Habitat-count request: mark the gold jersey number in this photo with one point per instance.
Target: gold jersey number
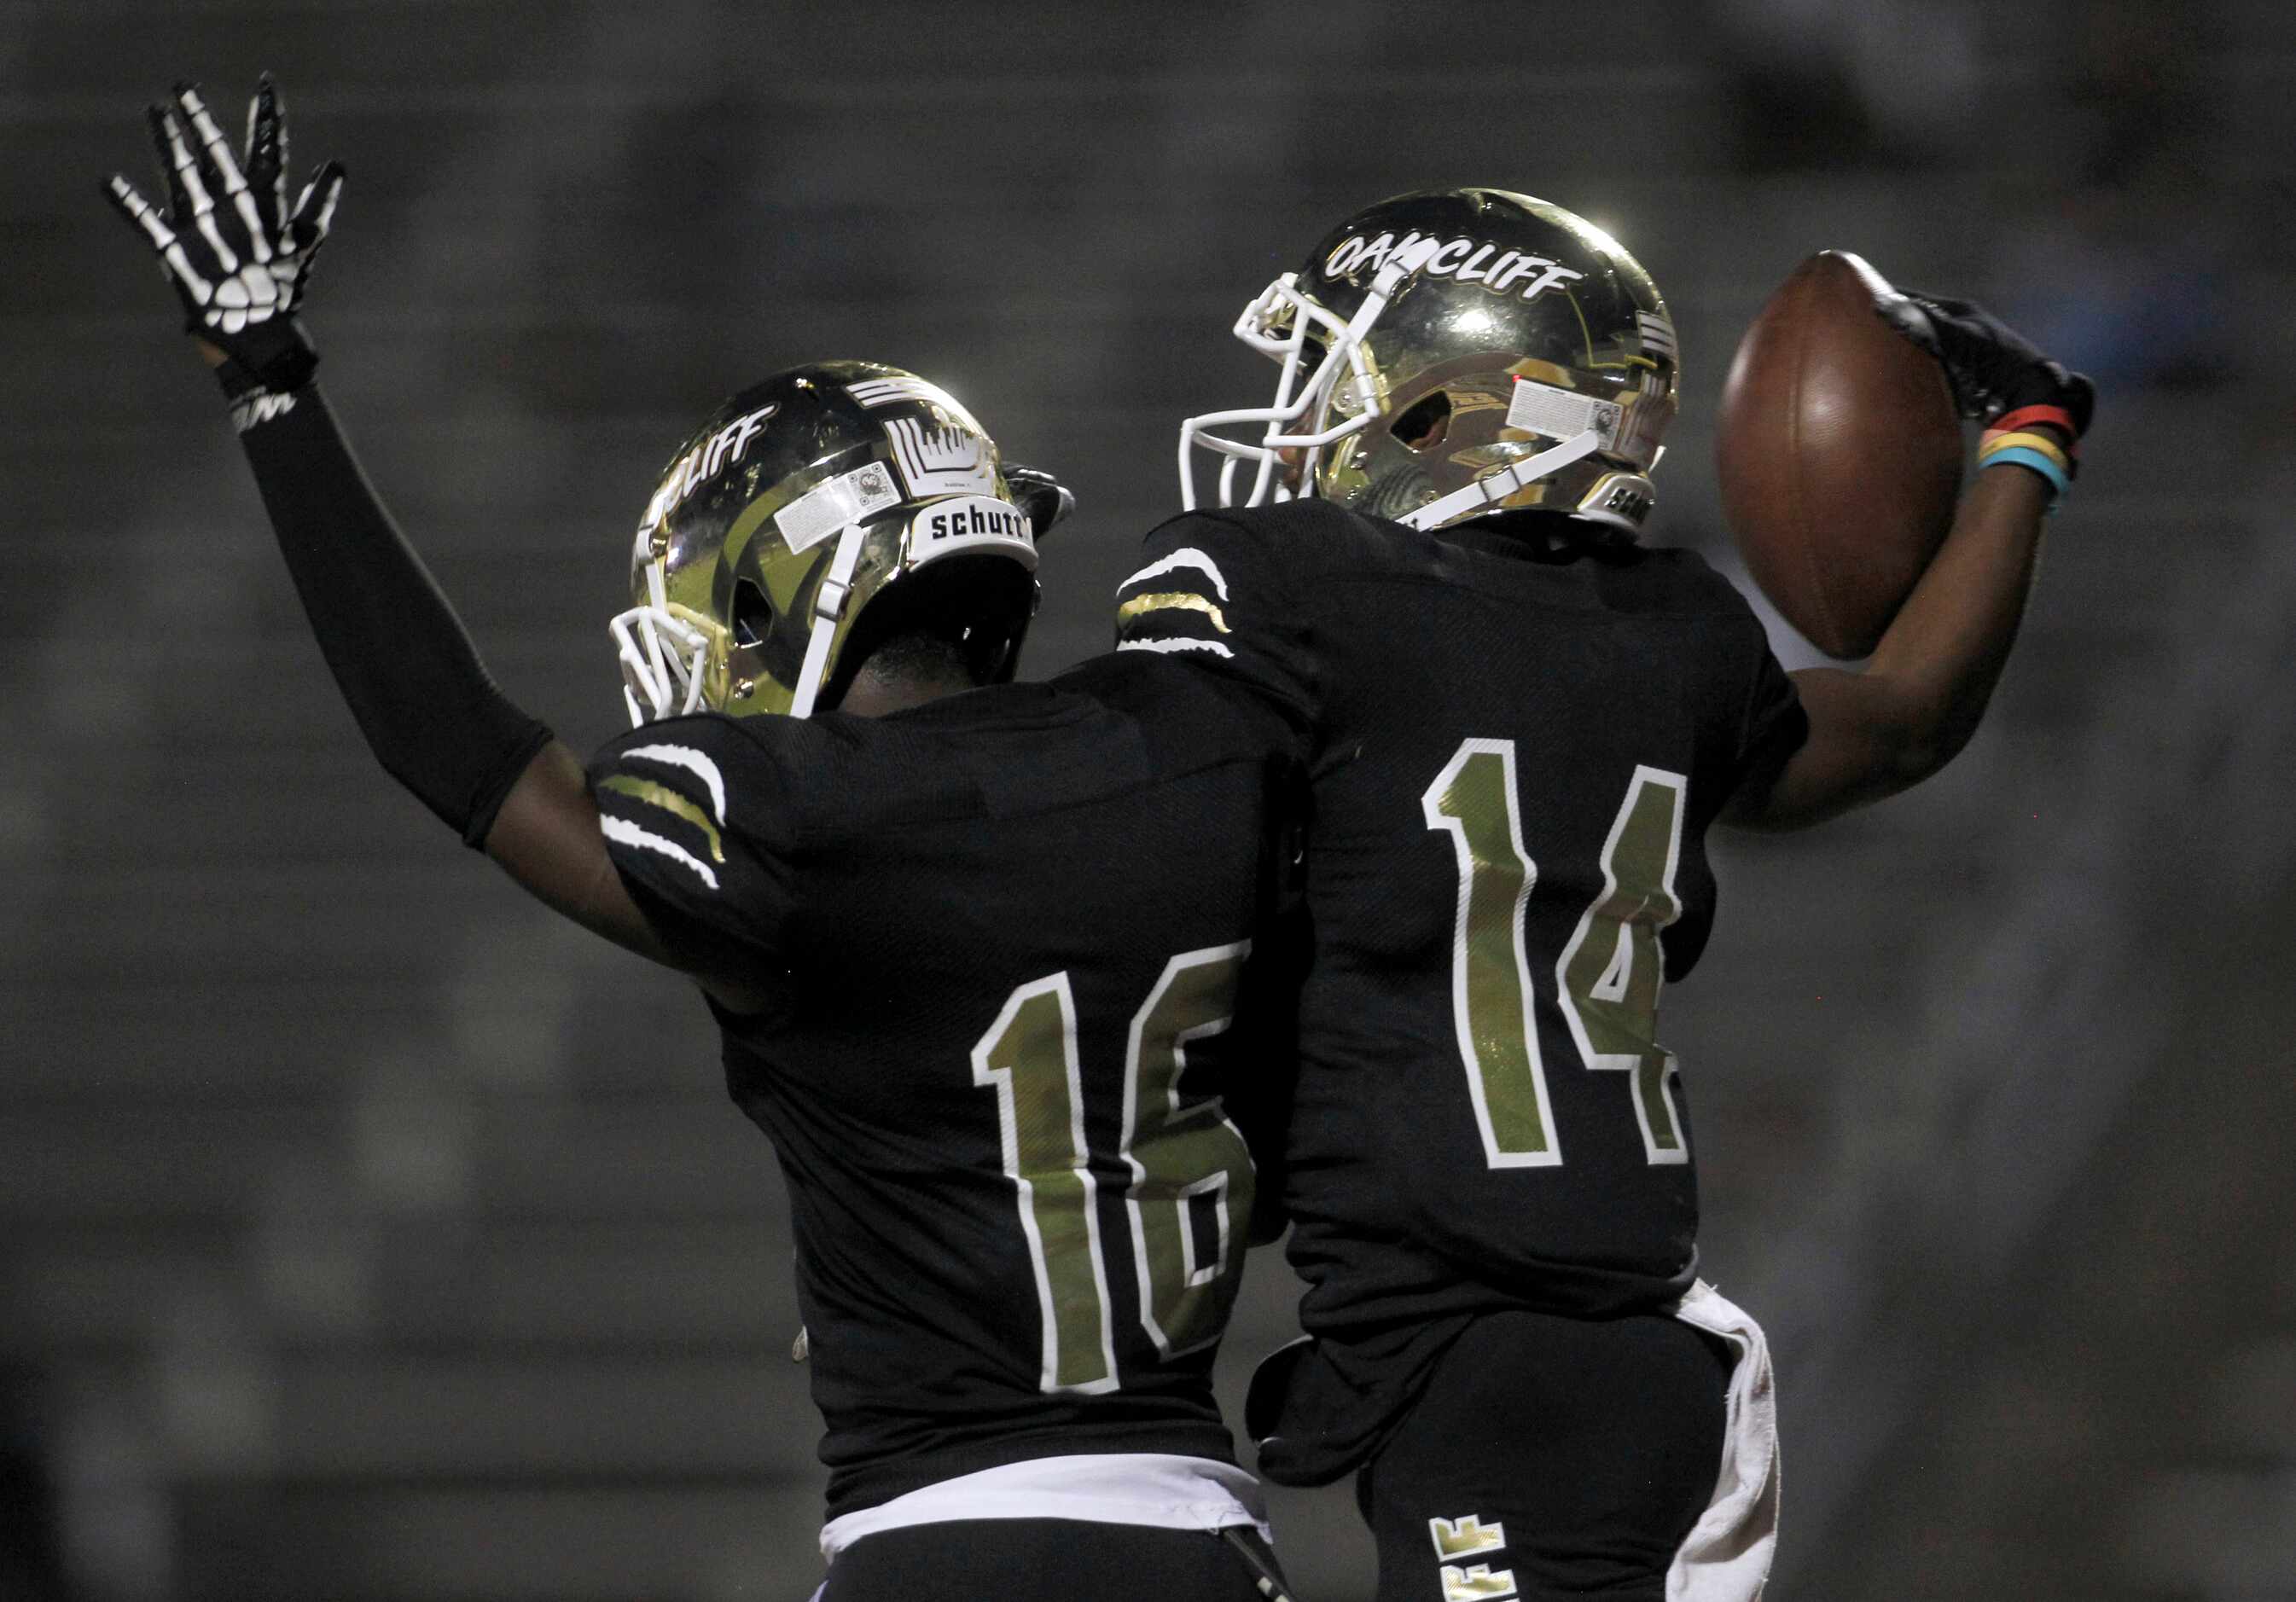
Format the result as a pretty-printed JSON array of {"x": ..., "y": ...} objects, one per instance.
[
  {"x": 1607, "y": 980},
  {"x": 1189, "y": 1196}
]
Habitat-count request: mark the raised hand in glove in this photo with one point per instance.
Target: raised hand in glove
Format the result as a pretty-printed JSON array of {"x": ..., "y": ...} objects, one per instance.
[
  {"x": 1993, "y": 369},
  {"x": 238, "y": 256}
]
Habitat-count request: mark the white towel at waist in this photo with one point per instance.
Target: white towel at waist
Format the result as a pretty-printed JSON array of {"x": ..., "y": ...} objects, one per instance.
[{"x": 1726, "y": 1555}]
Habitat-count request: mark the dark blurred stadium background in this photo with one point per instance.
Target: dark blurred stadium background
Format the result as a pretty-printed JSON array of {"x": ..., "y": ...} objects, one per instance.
[{"x": 366, "y": 1233}]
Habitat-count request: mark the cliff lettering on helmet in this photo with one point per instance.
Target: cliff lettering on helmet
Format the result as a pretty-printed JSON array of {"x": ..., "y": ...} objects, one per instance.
[
  {"x": 702, "y": 462},
  {"x": 1463, "y": 260}
]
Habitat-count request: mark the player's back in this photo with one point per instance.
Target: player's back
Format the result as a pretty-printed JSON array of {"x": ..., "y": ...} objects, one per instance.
[
  {"x": 1013, "y": 924},
  {"x": 1519, "y": 743}
]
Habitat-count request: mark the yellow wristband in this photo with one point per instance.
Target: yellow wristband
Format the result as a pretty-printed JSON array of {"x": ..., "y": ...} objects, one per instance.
[{"x": 2042, "y": 443}]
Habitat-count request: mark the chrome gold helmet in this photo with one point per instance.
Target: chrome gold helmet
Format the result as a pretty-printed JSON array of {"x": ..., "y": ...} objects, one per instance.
[
  {"x": 798, "y": 526},
  {"x": 1453, "y": 353}
]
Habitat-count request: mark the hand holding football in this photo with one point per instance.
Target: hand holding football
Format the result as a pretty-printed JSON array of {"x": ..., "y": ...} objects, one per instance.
[{"x": 1839, "y": 456}]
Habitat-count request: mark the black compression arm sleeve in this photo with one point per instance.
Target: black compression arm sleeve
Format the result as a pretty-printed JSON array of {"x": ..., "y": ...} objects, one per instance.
[{"x": 413, "y": 681}]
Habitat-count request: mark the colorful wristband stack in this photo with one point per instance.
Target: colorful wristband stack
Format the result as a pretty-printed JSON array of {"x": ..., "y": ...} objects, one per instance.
[{"x": 2010, "y": 441}]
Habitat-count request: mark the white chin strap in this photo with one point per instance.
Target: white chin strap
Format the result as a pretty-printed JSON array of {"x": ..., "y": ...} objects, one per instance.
[
  {"x": 1493, "y": 487},
  {"x": 662, "y": 657},
  {"x": 828, "y": 608}
]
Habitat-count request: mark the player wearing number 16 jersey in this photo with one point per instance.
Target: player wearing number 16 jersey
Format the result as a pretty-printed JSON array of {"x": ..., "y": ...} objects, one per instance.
[
  {"x": 991, "y": 948},
  {"x": 1524, "y": 722},
  {"x": 977, "y": 948}
]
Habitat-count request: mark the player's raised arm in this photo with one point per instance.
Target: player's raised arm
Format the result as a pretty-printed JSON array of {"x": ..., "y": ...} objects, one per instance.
[
  {"x": 1915, "y": 703},
  {"x": 239, "y": 257}
]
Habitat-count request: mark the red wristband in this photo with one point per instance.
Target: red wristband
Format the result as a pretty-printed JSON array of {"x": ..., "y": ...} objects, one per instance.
[{"x": 2057, "y": 417}]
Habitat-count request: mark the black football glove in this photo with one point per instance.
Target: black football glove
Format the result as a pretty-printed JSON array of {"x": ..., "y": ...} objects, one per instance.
[
  {"x": 1990, "y": 366},
  {"x": 238, "y": 257},
  {"x": 1043, "y": 497}
]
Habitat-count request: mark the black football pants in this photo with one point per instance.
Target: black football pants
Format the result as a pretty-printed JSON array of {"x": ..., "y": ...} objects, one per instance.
[
  {"x": 1040, "y": 1560},
  {"x": 1572, "y": 1454}
]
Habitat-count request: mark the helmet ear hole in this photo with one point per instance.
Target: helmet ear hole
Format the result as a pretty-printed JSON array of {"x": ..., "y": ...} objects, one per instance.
[
  {"x": 1425, "y": 425},
  {"x": 753, "y": 614}
]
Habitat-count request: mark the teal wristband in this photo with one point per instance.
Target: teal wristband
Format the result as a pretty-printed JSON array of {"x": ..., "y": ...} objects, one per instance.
[{"x": 2024, "y": 456}]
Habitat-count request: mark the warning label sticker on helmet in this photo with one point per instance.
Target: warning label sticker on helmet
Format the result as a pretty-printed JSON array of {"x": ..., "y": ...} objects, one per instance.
[
  {"x": 971, "y": 523},
  {"x": 1539, "y": 408},
  {"x": 829, "y": 506}
]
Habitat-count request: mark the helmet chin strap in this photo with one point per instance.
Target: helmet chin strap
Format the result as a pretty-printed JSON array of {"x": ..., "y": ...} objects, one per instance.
[
  {"x": 828, "y": 609},
  {"x": 1496, "y": 487}
]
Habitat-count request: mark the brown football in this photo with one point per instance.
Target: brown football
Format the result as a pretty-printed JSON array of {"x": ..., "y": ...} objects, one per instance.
[{"x": 1839, "y": 456}]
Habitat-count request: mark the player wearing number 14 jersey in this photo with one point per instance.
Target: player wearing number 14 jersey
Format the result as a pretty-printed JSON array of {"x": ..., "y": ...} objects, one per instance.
[{"x": 1524, "y": 722}]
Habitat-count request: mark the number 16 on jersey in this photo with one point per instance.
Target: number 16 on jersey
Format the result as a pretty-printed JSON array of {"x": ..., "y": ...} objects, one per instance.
[
  {"x": 1187, "y": 1162},
  {"x": 1606, "y": 981}
]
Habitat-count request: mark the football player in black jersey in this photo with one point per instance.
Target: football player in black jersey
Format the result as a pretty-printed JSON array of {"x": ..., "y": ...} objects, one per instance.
[
  {"x": 1524, "y": 722},
  {"x": 976, "y": 947}
]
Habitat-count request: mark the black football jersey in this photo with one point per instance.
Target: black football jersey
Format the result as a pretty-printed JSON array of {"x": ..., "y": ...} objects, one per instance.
[
  {"x": 1005, "y": 933},
  {"x": 1518, "y": 744}
]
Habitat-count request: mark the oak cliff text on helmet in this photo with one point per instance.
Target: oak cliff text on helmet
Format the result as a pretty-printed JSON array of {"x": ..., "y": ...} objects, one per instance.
[{"x": 1466, "y": 260}]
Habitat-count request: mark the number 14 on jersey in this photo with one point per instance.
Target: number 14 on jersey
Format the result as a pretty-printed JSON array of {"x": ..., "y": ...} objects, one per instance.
[{"x": 1607, "y": 980}]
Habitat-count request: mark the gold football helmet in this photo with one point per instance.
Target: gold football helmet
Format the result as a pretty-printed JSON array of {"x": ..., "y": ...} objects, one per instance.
[
  {"x": 1449, "y": 354},
  {"x": 813, "y": 515}
]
